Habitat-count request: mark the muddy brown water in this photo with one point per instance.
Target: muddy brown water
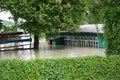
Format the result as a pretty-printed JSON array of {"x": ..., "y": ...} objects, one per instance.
[{"x": 46, "y": 51}]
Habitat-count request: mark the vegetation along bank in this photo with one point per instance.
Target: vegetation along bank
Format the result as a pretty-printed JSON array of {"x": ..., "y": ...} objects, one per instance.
[{"x": 82, "y": 68}]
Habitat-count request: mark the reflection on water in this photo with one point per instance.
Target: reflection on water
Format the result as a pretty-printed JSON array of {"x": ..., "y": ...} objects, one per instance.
[{"x": 46, "y": 51}]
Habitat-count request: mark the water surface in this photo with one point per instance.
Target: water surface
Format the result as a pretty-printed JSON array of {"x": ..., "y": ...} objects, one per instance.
[{"x": 46, "y": 51}]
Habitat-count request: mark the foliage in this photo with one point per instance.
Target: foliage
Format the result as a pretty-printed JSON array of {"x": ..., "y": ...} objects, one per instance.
[
  {"x": 49, "y": 16},
  {"x": 52, "y": 16},
  {"x": 78, "y": 11},
  {"x": 1, "y": 24},
  {"x": 112, "y": 27},
  {"x": 12, "y": 28},
  {"x": 107, "y": 12},
  {"x": 95, "y": 11},
  {"x": 9, "y": 5},
  {"x": 87, "y": 68}
]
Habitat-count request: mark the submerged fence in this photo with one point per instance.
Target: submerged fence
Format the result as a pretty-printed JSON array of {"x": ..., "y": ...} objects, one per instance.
[{"x": 81, "y": 41}]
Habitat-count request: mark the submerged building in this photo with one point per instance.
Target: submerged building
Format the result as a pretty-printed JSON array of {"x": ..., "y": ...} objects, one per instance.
[{"x": 90, "y": 35}]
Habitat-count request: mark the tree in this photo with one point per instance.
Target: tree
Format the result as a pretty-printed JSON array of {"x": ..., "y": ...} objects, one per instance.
[
  {"x": 112, "y": 27},
  {"x": 1, "y": 24},
  {"x": 12, "y": 28},
  {"x": 95, "y": 11},
  {"x": 108, "y": 12},
  {"x": 78, "y": 11},
  {"x": 50, "y": 16}
]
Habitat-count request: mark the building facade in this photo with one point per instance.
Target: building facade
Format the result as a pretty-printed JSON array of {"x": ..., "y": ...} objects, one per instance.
[{"x": 91, "y": 35}]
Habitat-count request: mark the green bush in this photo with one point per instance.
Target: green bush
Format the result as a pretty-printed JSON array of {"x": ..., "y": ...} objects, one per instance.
[
  {"x": 112, "y": 27},
  {"x": 112, "y": 30},
  {"x": 86, "y": 68}
]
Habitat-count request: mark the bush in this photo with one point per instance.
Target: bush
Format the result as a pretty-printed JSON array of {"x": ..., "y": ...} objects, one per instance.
[
  {"x": 112, "y": 28},
  {"x": 86, "y": 68}
]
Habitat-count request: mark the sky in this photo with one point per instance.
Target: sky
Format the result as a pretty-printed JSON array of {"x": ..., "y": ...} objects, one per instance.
[{"x": 5, "y": 16}]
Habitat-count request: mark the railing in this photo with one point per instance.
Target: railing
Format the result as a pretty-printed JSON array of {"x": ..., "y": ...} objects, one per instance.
[
  {"x": 81, "y": 41},
  {"x": 14, "y": 40}
]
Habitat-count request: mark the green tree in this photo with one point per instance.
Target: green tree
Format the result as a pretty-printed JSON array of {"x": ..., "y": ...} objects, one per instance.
[
  {"x": 12, "y": 28},
  {"x": 78, "y": 10},
  {"x": 107, "y": 12},
  {"x": 95, "y": 11},
  {"x": 50, "y": 16},
  {"x": 1, "y": 24},
  {"x": 112, "y": 27}
]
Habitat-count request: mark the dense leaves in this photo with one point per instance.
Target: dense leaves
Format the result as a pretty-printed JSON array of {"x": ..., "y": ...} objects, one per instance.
[
  {"x": 87, "y": 68},
  {"x": 107, "y": 12},
  {"x": 112, "y": 28},
  {"x": 45, "y": 16},
  {"x": 12, "y": 28},
  {"x": 1, "y": 24}
]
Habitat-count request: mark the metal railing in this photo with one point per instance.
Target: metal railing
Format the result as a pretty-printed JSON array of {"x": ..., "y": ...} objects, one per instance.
[{"x": 81, "y": 41}]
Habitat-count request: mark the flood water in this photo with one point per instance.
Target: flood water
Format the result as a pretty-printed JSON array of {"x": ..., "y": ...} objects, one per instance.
[{"x": 47, "y": 51}]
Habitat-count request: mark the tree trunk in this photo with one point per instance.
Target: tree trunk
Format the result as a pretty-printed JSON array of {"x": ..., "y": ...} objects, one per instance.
[{"x": 36, "y": 42}]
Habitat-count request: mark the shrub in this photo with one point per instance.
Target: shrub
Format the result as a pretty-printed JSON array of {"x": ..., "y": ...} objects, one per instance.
[
  {"x": 112, "y": 30},
  {"x": 86, "y": 68}
]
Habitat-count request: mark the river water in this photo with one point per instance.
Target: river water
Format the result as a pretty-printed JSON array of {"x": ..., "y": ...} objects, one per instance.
[{"x": 47, "y": 51}]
